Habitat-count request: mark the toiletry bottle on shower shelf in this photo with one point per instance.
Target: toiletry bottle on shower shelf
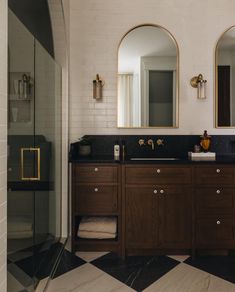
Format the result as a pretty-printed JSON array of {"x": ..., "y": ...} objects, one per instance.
[{"x": 116, "y": 150}]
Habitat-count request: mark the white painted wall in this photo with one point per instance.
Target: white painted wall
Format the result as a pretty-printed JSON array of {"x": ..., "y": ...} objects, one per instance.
[
  {"x": 3, "y": 143},
  {"x": 96, "y": 28}
]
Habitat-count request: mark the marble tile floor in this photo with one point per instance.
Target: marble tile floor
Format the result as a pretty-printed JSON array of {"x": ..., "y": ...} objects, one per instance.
[{"x": 105, "y": 272}]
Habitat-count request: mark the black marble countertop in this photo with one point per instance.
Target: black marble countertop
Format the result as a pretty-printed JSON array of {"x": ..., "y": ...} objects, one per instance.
[{"x": 221, "y": 159}]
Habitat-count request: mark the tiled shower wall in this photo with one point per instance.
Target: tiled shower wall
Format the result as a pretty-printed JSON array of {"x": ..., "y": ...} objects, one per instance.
[
  {"x": 3, "y": 141},
  {"x": 97, "y": 27}
]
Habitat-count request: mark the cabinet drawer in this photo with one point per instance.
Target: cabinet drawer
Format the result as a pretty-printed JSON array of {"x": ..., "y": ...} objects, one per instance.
[
  {"x": 157, "y": 175},
  {"x": 95, "y": 173},
  {"x": 215, "y": 201},
  {"x": 215, "y": 232},
  {"x": 96, "y": 199},
  {"x": 214, "y": 175}
]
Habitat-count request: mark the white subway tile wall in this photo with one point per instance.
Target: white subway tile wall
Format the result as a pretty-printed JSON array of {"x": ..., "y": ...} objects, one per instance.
[
  {"x": 97, "y": 27},
  {"x": 3, "y": 143}
]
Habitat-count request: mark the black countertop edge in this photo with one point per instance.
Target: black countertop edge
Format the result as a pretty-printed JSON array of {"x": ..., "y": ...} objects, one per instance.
[{"x": 226, "y": 159}]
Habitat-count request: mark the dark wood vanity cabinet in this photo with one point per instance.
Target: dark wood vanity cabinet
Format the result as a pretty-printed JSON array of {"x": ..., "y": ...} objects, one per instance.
[
  {"x": 96, "y": 191},
  {"x": 214, "y": 197},
  {"x": 160, "y": 208},
  {"x": 157, "y": 207}
]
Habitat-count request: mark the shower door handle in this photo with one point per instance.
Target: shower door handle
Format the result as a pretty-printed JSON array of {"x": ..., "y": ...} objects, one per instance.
[{"x": 37, "y": 151}]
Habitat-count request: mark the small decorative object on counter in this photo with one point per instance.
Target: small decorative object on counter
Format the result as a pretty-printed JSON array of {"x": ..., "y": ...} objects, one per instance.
[
  {"x": 116, "y": 150},
  {"x": 84, "y": 146},
  {"x": 205, "y": 141},
  {"x": 197, "y": 148}
]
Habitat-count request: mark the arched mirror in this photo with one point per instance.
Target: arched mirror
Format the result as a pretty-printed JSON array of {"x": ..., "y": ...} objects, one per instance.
[
  {"x": 225, "y": 79},
  {"x": 148, "y": 78}
]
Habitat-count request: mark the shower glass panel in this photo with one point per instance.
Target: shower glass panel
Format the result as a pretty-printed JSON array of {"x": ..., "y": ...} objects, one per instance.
[{"x": 34, "y": 160}]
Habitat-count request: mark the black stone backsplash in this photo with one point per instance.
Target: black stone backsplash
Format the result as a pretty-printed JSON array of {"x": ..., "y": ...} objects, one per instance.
[{"x": 174, "y": 145}]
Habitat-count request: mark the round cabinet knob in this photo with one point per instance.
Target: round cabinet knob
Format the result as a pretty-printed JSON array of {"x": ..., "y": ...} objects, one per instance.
[
  {"x": 155, "y": 191},
  {"x": 218, "y": 192},
  {"x": 218, "y": 222},
  {"x": 9, "y": 169},
  {"x": 96, "y": 189},
  {"x": 161, "y": 191},
  {"x": 96, "y": 168},
  {"x": 218, "y": 170},
  {"x": 158, "y": 170}
]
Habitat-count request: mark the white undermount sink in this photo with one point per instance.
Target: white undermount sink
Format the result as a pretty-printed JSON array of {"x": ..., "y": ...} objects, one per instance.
[{"x": 154, "y": 158}]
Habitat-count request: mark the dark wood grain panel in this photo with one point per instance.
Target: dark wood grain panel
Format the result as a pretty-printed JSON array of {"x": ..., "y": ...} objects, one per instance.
[
  {"x": 96, "y": 199},
  {"x": 215, "y": 201},
  {"x": 159, "y": 174},
  {"x": 141, "y": 217},
  {"x": 95, "y": 173},
  {"x": 214, "y": 175},
  {"x": 175, "y": 217},
  {"x": 216, "y": 232}
]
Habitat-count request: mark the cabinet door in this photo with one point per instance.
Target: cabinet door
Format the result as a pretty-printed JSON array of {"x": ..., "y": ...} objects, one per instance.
[
  {"x": 217, "y": 232},
  {"x": 174, "y": 205},
  {"x": 141, "y": 217},
  {"x": 96, "y": 199}
]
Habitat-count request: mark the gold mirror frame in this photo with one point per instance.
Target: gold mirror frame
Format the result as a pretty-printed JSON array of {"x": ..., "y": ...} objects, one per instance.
[
  {"x": 216, "y": 84},
  {"x": 177, "y": 77}
]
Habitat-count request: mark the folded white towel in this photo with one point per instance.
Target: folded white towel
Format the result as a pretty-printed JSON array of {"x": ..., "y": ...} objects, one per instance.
[
  {"x": 19, "y": 235},
  {"x": 18, "y": 224},
  {"x": 96, "y": 235},
  {"x": 99, "y": 224}
]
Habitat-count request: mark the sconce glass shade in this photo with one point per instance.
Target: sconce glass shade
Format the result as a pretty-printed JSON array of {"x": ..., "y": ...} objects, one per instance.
[
  {"x": 201, "y": 89},
  {"x": 97, "y": 88},
  {"x": 199, "y": 83}
]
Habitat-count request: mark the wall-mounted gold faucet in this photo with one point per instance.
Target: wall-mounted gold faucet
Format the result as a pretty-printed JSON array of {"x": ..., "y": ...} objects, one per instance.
[{"x": 151, "y": 143}]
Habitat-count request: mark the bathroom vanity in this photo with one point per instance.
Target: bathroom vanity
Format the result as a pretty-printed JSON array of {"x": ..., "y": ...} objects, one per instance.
[{"x": 163, "y": 207}]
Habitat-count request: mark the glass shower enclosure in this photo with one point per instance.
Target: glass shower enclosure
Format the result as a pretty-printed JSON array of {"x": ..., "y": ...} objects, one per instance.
[{"x": 34, "y": 159}]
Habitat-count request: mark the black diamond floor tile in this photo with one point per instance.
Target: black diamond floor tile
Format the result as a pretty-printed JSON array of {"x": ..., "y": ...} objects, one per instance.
[
  {"x": 138, "y": 272},
  {"x": 67, "y": 263},
  {"x": 220, "y": 266}
]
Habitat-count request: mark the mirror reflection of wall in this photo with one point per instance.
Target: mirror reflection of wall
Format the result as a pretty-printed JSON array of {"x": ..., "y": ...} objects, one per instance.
[
  {"x": 225, "y": 79},
  {"x": 148, "y": 78}
]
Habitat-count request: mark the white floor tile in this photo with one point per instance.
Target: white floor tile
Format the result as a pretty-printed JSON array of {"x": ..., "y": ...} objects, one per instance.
[
  {"x": 90, "y": 256},
  {"x": 87, "y": 278},
  {"x": 184, "y": 278},
  {"x": 41, "y": 285},
  {"x": 179, "y": 258},
  {"x": 12, "y": 284}
]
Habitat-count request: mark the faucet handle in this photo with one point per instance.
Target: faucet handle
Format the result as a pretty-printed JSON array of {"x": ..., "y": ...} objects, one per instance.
[
  {"x": 141, "y": 142},
  {"x": 160, "y": 142}
]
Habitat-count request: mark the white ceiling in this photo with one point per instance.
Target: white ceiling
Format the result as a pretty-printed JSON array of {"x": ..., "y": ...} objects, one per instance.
[{"x": 144, "y": 41}]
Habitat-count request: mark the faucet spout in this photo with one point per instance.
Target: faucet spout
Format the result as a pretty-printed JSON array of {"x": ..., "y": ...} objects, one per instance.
[{"x": 151, "y": 143}]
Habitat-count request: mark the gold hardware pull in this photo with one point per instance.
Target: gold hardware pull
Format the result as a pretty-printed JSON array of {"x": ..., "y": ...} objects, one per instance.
[
  {"x": 161, "y": 191},
  {"x": 218, "y": 222},
  {"x": 158, "y": 170},
  {"x": 96, "y": 169},
  {"x": 155, "y": 191},
  {"x": 37, "y": 150},
  {"x": 218, "y": 192},
  {"x": 96, "y": 189},
  {"x": 218, "y": 170}
]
